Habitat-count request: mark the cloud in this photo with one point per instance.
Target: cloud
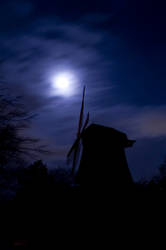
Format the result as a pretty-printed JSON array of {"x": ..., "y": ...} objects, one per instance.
[
  {"x": 151, "y": 121},
  {"x": 52, "y": 45},
  {"x": 138, "y": 122}
]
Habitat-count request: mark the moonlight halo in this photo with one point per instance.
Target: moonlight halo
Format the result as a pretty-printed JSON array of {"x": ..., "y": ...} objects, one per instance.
[{"x": 63, "y": 83}]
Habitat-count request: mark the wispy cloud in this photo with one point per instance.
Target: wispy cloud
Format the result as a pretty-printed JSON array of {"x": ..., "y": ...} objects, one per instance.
[
  {"x": 138, "y": 122},
  {"x": 52, "y": 45}
]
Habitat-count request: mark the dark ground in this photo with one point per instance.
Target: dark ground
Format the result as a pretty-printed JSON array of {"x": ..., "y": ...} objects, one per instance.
[{"x": 48, "y": 212}]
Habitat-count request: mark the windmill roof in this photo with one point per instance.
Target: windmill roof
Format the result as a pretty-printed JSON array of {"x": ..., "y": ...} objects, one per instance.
[{"x": 101, "y": 133}]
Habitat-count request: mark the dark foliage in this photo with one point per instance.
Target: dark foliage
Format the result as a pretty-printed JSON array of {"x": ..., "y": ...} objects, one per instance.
[{"x": 47, "y": 209}]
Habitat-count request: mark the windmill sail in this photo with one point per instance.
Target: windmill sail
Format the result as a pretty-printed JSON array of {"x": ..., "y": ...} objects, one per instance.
[
  {"x": 86, "y": 122},
  {"x": 81, "y": 114},
  {"x": 75, "y": 149}
]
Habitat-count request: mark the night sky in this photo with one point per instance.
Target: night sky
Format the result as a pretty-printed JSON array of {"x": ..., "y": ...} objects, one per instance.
[{"x": 116, "y": 48}]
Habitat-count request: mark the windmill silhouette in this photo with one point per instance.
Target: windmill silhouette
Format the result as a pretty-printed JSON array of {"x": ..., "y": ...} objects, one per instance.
[
  {"x": 75, "y": 149},
  {"x": 103, "y": 162}
]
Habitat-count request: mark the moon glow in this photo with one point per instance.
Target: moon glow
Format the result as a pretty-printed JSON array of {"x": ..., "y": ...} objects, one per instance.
[{"x": 63, "y": 83}]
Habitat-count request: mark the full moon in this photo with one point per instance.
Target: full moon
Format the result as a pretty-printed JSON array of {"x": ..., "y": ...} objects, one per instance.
[{"x": 63, "y": 83}]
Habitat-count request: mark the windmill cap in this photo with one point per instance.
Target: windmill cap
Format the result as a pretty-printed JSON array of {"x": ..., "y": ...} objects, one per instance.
[{"x": 95, "y": 133}]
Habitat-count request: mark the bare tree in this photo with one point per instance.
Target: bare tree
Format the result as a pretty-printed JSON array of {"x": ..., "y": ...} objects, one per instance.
[{"x": 14, "y": 119}]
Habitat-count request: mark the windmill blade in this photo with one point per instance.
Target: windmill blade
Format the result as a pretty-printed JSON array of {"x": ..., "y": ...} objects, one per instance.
[
  {"x": 75, "y": 144},
  {"x": 75, "y": 158},
  {"x": 86, "y": 122},
  {"x": 75, "y": 149},
  {"x": 81, "y": 113},
  {"x": 73, "y": 154}
]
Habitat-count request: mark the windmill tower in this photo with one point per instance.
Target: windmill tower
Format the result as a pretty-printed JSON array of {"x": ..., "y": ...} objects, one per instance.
[{"x": 103, "y": 162}]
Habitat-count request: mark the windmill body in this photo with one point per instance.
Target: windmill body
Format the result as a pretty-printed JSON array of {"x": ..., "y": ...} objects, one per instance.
[{"x": 103, "y": 162}]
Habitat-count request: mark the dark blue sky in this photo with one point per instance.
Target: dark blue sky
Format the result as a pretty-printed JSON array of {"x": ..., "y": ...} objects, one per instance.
[{"x": 117, "y": 48}]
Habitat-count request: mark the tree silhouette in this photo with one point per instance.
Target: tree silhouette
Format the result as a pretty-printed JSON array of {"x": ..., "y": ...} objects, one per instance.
[
  {"x": 162, "y": 169},
  {"x": 162, "y": 177},
  {"x": 14, "y": 119},
  {"x": 38, "y": 171}
]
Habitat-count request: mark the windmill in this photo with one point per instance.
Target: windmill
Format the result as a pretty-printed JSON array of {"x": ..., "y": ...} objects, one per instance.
[
  {"x": 103, "y": 161},
  {"x": 75, "y": 149}
]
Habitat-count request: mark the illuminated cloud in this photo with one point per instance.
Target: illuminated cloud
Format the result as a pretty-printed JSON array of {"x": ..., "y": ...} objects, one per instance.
[{"x": 139, "y": 122}]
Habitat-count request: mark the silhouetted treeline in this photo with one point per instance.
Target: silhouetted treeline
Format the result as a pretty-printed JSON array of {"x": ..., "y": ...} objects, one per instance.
[
  {"x": 157, "y": 184},
  {"x": 36, "y": 183},
  {"x": 45, "y": 208}
]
